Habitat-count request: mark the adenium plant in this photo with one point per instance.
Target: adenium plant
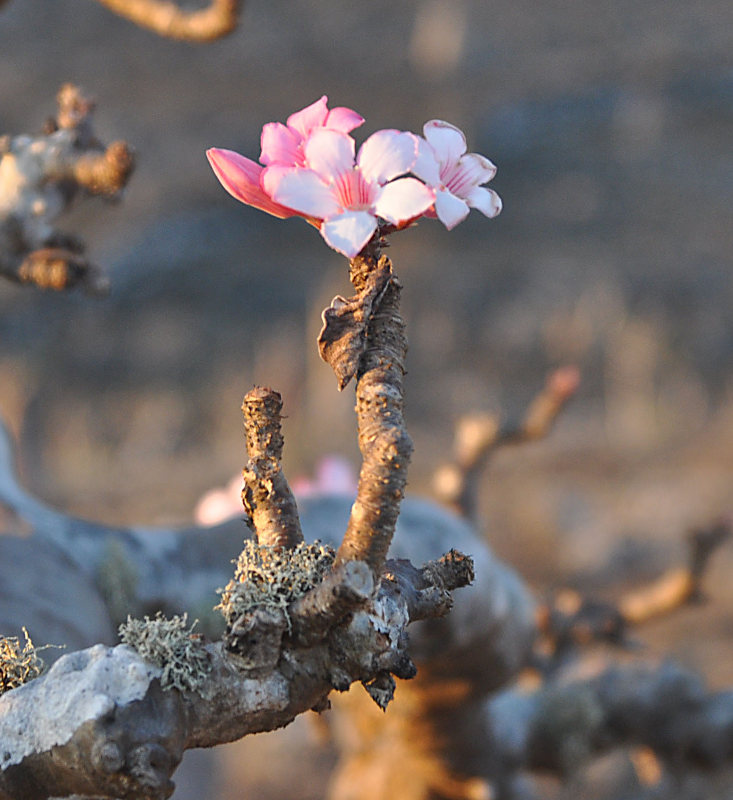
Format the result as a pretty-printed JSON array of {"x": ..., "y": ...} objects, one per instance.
[{"x": 309, "y": 167}]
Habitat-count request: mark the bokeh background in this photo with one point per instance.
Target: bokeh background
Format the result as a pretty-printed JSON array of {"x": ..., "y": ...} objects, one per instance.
[{"x": 612, "y": 127}]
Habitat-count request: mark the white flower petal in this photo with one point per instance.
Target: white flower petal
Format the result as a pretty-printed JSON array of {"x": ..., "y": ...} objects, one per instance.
[
  {"x": 448, "y": 141},
  {"x": 387, "y": 154},
  {"x": 487, "y": 201},
  {"x": 349, "y": 232},
  {"x": 426, "y": 166},
  {"x": 477, "y": 168},
  {"x": 403, "y": 199},
  {"x": 329, "y": 153},
  {"x": 450, "y": 209},
  {"x": 304, "y": 191}
]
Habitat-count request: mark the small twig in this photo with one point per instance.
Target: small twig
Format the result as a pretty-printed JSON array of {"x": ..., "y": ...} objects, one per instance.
[
  {"x": 570, "y": 620},
  {"x": 266, "y": 495},
  {"x": 385, "y": 445},
  {"x": 680, "y": 585},
  {"x": 479, "y": 435},
  {"x": 170, "y": 20}
]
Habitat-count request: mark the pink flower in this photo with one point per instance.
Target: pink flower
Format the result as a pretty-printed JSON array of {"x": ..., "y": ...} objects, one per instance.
[
  {"x": 349, "y": 195},
  {"x": 283, "y": 144},
  {"x": 456, "y": 176},
  {"x": 334, "y": 476},
  {"x": 241, "y": 176}
]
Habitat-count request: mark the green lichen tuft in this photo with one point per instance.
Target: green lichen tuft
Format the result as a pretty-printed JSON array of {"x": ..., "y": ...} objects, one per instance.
[
  {"x": 273, "y": 578},
  {"x": 18, "y": 664},
  {"x": 172, "y": 646}
]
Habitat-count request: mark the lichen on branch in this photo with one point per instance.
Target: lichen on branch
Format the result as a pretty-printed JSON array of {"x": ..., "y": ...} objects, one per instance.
[{"x": 18, "y": 663}]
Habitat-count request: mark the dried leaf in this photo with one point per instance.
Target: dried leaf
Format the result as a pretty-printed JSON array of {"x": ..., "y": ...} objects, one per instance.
[{"x": 342, "y": 339}]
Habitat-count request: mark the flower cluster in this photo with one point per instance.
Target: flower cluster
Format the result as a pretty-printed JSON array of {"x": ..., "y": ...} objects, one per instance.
[{"x": 309, "y": 167}]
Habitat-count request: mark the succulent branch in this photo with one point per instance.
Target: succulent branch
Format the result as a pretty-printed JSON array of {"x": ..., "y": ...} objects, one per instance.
[
  {"x": 385, "y": 445},
  {"x": 40, "y": 176},
  {"x": 167, "y": 18}
]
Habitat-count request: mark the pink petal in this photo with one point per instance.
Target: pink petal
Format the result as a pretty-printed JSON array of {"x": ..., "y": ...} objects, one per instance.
[
  {"x": 403, "y": 199},
  {"x": 329, "y": 153},
  {"x": 270, "y": 177},
  {"x": 349, "y": 232},
  {"x": 343, "y": 119},
  {"x": 487, "y": 201},
  {"x": 450, "y": 209},
  {"x": 447, "y": 141},
  {"x": 426, "y": 167},
  {"x": 240, "y": 176},
  {"x": 310, "y": 117},
  {"x": 280, "y": 145},
  {"x": 387, "y": 154},
  {"x": 303, "y": 190}
]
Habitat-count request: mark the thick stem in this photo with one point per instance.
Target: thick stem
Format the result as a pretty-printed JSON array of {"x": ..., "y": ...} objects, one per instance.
[
  {"x": 266, "y": 495},
  {"x": 385, "y": 445}
]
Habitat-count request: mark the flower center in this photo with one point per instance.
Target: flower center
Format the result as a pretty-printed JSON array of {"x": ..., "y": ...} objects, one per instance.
[{"x": 353, "y": 191}]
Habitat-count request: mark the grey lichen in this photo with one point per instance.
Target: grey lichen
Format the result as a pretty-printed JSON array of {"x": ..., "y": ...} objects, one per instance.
[
  {"x": 273, "y": 577},
  {"x": 171, "y": 645},
  {"x": 18, "y": 663}
]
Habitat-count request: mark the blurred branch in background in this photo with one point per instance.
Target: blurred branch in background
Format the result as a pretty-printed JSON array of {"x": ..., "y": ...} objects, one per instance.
[
  {"x": 40, "y": 176},
  {"x": 570, "y": 621},
  {"x": 477, "y": 436},
  {"x": 168, "y": 19}
]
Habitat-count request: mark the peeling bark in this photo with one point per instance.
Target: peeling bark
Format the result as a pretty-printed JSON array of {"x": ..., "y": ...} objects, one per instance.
[{"x": 385, "y": 445}]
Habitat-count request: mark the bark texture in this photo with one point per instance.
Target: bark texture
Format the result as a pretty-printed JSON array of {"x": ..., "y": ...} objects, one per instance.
[
  {"x": 385, "y": 445},
  {"x": 266, "y": 496}
]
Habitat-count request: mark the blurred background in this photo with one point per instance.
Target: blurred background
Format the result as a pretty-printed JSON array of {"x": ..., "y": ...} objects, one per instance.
[{"x": 611, "y": 125}]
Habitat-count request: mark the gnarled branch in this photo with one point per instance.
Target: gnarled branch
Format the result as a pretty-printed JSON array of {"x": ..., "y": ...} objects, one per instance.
[{"x": 385, "y": 445}]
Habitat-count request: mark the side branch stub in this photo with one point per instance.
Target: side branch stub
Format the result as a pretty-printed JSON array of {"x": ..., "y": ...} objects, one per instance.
[{"x": 266, "y": 496}]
